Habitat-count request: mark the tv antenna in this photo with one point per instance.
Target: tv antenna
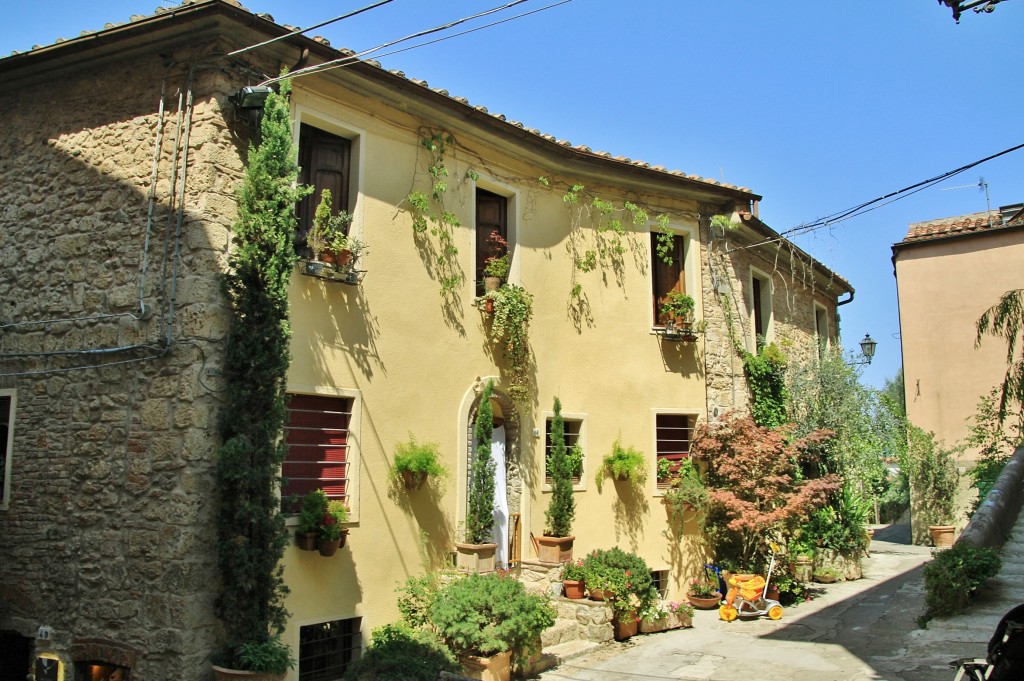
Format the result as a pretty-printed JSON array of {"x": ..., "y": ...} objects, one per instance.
[{"x": 982, "y": 186}]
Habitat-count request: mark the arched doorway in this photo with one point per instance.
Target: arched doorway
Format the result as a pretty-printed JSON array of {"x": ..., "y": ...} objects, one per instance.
[{"x": 507, "y": 448}]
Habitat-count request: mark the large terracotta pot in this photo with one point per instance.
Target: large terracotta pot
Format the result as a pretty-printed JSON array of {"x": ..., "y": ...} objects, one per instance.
[
  {"x": 477, "y": 558},
  {"x": 306, "y": 540},
  {"x": 554, "y": 549},
  {"x": 573, "y": 589},
  {"x": 942, "y": 535},
  {"x": 597, "y": 594},
  {"x": 497, "y": 667},
  {"x": 705, "y": 602}
]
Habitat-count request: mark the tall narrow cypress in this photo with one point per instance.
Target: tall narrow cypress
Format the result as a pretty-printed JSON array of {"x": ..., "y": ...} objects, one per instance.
[
  {"x": 562, "y": 506},
  {"x": 480, "y": 518},
  {"x": 251, "y": 529}
]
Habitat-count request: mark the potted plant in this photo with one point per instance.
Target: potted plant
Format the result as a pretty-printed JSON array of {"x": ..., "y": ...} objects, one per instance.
[
  {"x": 623, "y": 464},
  {"x": 665, "y": 615},
  {"x": 496, "y": 266},
  {"x": 703, "y": 594},
  {"x": 486, "y": 619},
  {"x": 311, "y": 514},
  {"x": 331, "y": 535},
  {"x": 574, "y": 579},
  {"x": 510, "y": 326},
  {"x": 267, "y": 660},
  {"x": 826, "y": 575},
  {"x": 555, "y": 546},
  {"x": 684, "y": 489},
  {"x": 476, "y": 554},
  {"x": 414, "y": 462},
  {"x": 677, "y": 314}
]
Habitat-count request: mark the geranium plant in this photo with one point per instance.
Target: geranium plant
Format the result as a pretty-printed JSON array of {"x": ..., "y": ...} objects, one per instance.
[
  {"x": 574, "y": 571},
  {"x": 702, "y": 588}
]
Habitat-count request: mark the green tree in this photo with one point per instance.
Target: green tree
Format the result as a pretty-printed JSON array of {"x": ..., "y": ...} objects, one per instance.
[
  {"x": 1006, "y": 319},
  {"x": 561, "y": 507},
  {"x": 251, "y": 530},
  {"x": 995, "y": 441},
  {"x": 480, "y": 517},
  {"x": 933, "y": 482}
]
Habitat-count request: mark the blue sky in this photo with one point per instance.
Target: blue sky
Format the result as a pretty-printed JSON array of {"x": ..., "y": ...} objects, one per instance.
[{"x": 817, "y": 106}]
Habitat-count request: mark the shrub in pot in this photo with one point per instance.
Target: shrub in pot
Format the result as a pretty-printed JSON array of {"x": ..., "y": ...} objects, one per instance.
[
  {"x": 415, "y": 461},
  {"x": 556, "y": 544},
  {"x": 311, "y": 514},
  {"x": 486, "y": 615},
  {"x": 332, "y": 534},
  {"x": 398, "y": 651}
]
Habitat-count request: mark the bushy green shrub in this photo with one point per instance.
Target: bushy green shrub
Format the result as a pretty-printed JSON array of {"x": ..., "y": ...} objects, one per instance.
[
  {"x": 953, "y": 575},
  {"x": 624, "y": 574},
  {"x": 488, "y": 614},
  {"x": 415, "y": 457},
  {"x": 398, "y": 652}
]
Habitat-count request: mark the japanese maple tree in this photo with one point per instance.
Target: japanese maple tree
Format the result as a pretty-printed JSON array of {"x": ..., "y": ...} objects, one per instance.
[{"x": 755, "y": 481}]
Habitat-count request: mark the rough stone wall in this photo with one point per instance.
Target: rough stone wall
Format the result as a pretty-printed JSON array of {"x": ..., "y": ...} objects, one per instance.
[
  {"x": 108, "y": 536},
  {"x": 725, "y": 275}
]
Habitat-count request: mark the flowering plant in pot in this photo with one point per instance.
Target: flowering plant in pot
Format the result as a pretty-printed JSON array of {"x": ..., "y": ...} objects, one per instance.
[
  {"x": 703, "y": 594},
  {"x": 331, "y": 535},
  {"x": 574, "y": 578},
  {"x": 311, "y": 514},
  {"x": 496, "y": 266}
]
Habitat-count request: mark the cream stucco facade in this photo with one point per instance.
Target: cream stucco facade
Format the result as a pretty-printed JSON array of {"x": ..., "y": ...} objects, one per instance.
[{"x": 125, "y": 445}]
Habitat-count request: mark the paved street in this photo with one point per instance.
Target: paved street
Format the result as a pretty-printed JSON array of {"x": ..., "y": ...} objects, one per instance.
[{"x": 852, "y": 631}]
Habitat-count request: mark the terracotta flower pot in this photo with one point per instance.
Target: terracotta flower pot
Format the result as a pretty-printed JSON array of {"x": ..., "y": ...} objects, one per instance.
[
  {"x": 497, "y": 667},
  {"x": 306, "y": 540},
  {"x": 942, "y": 535},
  {"x": 597, "y": 594},
  {"x": 227, "y": 674},
  {"x": 625, "y": 625},
  {"x": 413, "y": 479},
  {"x": 554, "y": 549},
  {"x": 573, "y": 589},
  {"x": 329, "y": 548},
  {"x": 705, "y": 602}
]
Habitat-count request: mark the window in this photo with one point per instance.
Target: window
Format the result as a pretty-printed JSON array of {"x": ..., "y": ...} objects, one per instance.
[
  {"x": 573, "y": 428},
  {"x": 667, "y": 278},
  {"x": 761, "y": 304},
  {"x": 328, "y": 648},
  {"x": 672, "y": 434},
  {"x": 821, "y": 329},
  {"x": 7, "y": 403},
  {"x": 317, "y": 437},
  {"x": 491, "y": 218},
  {"x": 660, "y": 580},
  {"x": 326, "y": 162}
]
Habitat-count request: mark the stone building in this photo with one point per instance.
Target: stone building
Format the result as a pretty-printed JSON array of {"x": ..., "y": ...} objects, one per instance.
[{"x": 116, "y": 206}]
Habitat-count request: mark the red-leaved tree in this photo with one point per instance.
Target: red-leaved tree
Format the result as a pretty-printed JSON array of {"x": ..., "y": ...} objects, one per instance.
[{"x": 755, "y": 483}]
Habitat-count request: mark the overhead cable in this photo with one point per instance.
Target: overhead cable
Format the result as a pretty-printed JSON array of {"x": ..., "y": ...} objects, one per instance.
[
  {"x": 344, "y": 61},
  {"x": 300, "y": 31},
  {"x": 868, "y": 206}
]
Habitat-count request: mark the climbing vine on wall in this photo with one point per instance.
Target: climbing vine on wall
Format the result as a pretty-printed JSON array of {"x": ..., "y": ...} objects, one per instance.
[{"x": 433, "y": 220}]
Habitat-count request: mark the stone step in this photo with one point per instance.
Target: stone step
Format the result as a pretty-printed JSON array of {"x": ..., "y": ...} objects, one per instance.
[
  {"x": 554, "y": 655},
  {"x": 562, "y": 631}
]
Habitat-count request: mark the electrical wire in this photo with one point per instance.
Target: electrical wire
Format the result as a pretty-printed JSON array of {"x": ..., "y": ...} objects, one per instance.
[
  {"x": 300, "y": 31},
  {"x": 344, "y": 61},
  {"x": 868, "y": 206}
]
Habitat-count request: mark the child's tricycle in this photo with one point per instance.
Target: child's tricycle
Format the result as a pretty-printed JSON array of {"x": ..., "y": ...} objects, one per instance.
[{"x": 746, "y": 597}]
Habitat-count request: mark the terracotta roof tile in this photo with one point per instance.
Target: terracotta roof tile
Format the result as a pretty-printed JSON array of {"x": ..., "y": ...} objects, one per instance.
[
  {"x": 974, "y": 223},
  {"x": 460, "y": 100}
]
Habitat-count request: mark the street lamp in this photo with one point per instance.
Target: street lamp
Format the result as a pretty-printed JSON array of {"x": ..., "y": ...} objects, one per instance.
[{"x": 867, "y": 349}]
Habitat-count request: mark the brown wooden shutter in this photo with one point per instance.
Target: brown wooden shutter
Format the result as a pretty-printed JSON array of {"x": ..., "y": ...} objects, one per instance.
[
  {"x": 667, "y": 278},
  {"x": 326, "y": 164},
  {"x": 491, "y": 216}
]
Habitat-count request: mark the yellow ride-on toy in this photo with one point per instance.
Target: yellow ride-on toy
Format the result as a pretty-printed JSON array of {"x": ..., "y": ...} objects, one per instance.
[{"x": 747, "y": 596}]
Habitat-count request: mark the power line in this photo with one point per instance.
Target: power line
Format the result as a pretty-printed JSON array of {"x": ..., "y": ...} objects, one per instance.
[
  {"x": 299, "y": 31},
  {"x": 346, "y": 60},
  {"x": 869, "y": 206}
]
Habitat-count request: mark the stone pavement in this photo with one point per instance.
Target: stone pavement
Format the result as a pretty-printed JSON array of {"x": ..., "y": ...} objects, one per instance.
[{"x": 850, "y": 631}]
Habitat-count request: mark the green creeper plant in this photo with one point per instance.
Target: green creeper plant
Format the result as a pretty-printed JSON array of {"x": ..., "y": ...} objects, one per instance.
[
  {"x": 766, "y": 376},
  {"x": 251, "y": 530},
  {"x": 480, "y": 517},
  {"x": 1006, "y": 319},
  {"x": 562, "y": 506},
  {"x": 510, "y": 327}
]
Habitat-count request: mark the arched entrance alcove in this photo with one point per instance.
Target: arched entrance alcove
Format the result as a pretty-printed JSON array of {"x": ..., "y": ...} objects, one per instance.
[{"x": 505, "y": 409}]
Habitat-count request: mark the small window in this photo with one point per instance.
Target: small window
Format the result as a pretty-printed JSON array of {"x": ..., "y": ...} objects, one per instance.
[
  {"x": 821, "y": 329},
  {"x": 660, "y": 579},
  {"x": 328, "y": 648},
  {"x": 326, "y": 162},
  {"x": 573, "y": 428},
  {"x": 7, "y": 399},
  {"x": 317, "y": 437},
  {"x": 667, "y": 278},
  {"x": 672, "y": 440},
  {"x": 491, "y": 231},
  {"x": 761, "y": 305}
]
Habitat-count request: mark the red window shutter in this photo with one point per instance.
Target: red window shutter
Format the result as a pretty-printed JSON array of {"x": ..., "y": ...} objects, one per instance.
[{"x": 317, "y": 440}]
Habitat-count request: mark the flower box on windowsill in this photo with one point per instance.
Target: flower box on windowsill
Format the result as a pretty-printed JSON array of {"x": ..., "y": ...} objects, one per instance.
[
  {"x": 342, "y": 274},
  {"x": 684, "y": 332}
]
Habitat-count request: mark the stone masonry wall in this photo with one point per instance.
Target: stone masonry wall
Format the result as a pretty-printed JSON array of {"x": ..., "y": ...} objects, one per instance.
[
  {"x": 725, "y": 275},
  {"x": 108, "y": 537}
]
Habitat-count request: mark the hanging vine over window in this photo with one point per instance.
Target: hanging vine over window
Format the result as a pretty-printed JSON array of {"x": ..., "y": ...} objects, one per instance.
[
  {"x": 432, "y": 220},
  {"x": 510, "y": 327}
]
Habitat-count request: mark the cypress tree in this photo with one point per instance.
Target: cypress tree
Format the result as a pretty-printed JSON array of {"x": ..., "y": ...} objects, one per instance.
[
  {"x": 251, "y": 529},
  {"x": 480, "y": 518},
  {"x": 562, "y": 505}
]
